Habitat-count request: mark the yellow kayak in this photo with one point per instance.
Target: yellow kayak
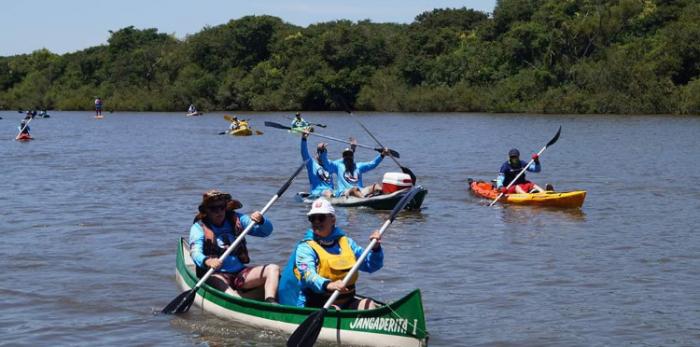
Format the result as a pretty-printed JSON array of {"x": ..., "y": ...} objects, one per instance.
[
  {"x": 242, "y": 130},
  {"x": 549, "y": 198}
]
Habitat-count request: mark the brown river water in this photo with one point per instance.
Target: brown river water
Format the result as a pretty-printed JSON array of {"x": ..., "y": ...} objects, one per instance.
[{"x": 91, "y": 212}]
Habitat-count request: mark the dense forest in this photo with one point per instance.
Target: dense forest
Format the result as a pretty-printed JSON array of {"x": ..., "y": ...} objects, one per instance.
[{"x": 542, "y": 56}]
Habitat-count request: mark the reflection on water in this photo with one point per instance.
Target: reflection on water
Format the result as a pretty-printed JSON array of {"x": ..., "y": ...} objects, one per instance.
[{"x": 532, "y": 215}]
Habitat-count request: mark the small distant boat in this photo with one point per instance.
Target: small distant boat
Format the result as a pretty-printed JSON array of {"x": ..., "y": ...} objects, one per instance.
[
  {"x": 24, "y": 137},
  {"x": 194, "y": 114},
  {"x": 244, "y": 130}
]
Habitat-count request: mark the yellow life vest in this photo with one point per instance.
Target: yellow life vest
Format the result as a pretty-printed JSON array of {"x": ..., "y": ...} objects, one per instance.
[{"x": 334, "y": 266}]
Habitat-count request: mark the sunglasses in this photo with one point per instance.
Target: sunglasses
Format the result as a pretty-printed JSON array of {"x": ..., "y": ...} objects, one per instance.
[
  {"x": 320, "y": 217},
  {"x": 216, "y": 208}
]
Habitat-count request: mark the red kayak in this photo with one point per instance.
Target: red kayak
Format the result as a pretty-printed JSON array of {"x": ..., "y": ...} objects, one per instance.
[{"x": 24, "y": 137}]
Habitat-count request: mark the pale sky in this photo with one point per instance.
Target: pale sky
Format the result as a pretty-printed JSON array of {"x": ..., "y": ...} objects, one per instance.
[{"x": 70, "y": 25}]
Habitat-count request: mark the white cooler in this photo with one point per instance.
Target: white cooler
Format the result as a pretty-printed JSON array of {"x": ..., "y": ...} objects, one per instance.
[{"x": 394, "y": 181}]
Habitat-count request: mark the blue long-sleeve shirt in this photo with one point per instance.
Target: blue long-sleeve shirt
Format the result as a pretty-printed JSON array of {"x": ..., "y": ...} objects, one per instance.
[
  {"x": 305, "y": 259},
  {"x": 26, "y": 129},
  {"x": 231, "y": 263},
  {"x": 345, "y": 179},
  {"x": 319, "y": 178},
  {"x": 507, "y": 173}
]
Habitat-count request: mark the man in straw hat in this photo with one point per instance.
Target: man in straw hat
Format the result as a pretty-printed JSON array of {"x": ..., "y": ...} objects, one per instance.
[{"x": 215, "y": 227}]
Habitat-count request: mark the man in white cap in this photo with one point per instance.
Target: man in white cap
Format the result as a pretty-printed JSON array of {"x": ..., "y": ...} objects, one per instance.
[{"x": 321, "y": 260}]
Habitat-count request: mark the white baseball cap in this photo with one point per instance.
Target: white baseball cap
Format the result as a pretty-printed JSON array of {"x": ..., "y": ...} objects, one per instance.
[{"x": 321, "y": 206}]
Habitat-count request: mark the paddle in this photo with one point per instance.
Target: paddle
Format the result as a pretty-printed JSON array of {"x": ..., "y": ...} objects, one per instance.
[
  {"x": 307, "y": 332},
  {"x": 315, "y": 124},
  {"x": 183, "y": 301},
  {"x": 403, "y": 168},
  {"x": 280, "y": 126},
  {"x": 551, "y": 142},
  {"x": 24, "y": 127}
]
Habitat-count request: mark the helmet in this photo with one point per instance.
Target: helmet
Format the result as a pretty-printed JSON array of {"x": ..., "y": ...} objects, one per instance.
[{"x": 514, "y": 153}]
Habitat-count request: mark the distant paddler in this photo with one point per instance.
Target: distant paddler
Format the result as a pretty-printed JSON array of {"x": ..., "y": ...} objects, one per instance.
[
  {"x": 24, "y": 129},
  {"x": 235, "y": 124},
  {"x": 98, "y": 107},
  {"x": 320, "y": 180},
  {"x": 298, "y": 123},
  {"x": 192, "y": 111}
]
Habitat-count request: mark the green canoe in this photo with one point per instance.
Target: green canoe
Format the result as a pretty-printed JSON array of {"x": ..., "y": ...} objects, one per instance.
[{"x": 401, "y": 323}]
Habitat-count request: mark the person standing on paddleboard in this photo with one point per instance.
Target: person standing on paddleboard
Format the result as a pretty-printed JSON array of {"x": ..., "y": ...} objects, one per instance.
[{"x": 98, "y": 106}]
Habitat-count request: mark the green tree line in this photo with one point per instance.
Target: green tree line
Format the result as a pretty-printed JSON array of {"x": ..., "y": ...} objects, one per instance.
[{"x": 541, "y": 56}]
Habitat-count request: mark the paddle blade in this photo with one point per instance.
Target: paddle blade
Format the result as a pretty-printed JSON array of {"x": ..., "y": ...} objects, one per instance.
[
  {"x": 181, "y": 303},
  {"x": 307, "y": 332},
  {"x": 403, "y": 202},
  {"x": 228, "y": 118},
  {"x": 394, "y": 153},
  {"x": 222, "y": 133},
  {"x": 410, "y": 173},
  {"x": 258, "y": 132},
  {"x": 320, "y": 125},
  {"x": 276, "y": 125},
  {"x": 555, "y": 138}
]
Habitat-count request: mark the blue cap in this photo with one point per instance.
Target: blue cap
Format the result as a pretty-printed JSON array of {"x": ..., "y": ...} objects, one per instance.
[{"x": 514, "y": 153}]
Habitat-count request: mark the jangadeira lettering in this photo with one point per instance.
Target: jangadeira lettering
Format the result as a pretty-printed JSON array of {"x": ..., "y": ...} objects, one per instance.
[{"x": 391, "y": 325}]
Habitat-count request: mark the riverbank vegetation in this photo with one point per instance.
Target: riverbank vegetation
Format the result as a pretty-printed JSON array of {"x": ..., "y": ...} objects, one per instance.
[{"x": 543, "y": 56}]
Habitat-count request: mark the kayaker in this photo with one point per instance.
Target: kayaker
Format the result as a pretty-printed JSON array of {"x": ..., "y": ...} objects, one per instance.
[
  {"x": 235, "y": 124},
  {"x": 320, "y": 179},
  {"x": 299, "y": 122},
  {"x": 321, "y": 259},
  {"x": 349, "y": 173},
  {"x": 98, "y": 106},
  {"x": 191, "y": 109},
  {"x": 511, "y": 168},
  {"x": 23, "y": 126},
  {"x": 215, "y": 227}
]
